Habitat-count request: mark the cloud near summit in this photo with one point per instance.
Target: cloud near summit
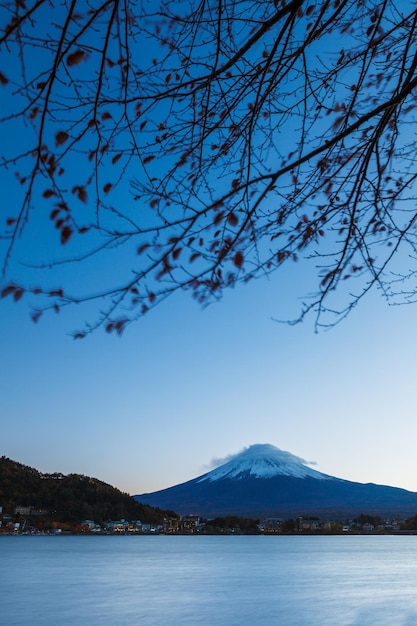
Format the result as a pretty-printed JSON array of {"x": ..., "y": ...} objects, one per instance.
[{"x": 285, "y": 457}]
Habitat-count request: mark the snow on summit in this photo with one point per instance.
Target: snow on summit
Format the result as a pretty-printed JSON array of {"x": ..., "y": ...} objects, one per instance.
[{"x": 263, "y": 461}]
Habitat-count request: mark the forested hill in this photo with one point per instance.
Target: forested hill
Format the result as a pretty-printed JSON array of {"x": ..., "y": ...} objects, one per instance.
[{"x": 69, "y": 498}]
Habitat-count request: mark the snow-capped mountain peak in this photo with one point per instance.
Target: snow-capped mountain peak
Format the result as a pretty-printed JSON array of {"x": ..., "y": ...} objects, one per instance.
[{"x": 263, "y": 461}]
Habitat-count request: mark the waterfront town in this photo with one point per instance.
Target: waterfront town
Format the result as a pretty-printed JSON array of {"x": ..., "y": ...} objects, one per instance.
[{"x": 28, "y": 520}]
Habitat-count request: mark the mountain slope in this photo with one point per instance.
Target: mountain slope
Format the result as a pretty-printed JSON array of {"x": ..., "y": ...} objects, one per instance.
[
  {"x": 264, "y": 481},
  {"x": 69, "y": 498}
]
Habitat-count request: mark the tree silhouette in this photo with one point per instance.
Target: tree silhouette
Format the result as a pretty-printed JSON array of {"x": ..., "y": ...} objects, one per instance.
[{"x": 207, "y": 143}]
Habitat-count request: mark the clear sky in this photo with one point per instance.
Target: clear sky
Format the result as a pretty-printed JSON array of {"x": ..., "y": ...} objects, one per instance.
[{"x": 184, "y": 386}]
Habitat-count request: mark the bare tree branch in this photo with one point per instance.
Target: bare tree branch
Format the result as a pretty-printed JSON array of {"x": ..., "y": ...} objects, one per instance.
[{"x": 208, "y": 143}]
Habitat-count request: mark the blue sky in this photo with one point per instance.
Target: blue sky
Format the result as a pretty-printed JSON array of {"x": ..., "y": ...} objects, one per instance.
[{"x": 184, "y": 385}]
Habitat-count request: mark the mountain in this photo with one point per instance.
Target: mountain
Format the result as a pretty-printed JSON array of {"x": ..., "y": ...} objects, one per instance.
[
  {"x": 264, "y": 481},
  {"x": 68, "y": 498}
]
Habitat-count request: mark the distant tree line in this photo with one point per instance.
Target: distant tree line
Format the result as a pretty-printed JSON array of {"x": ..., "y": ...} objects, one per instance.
[
  {"x": 410, "y": 523},
  {"x": 232, "y": 523}
]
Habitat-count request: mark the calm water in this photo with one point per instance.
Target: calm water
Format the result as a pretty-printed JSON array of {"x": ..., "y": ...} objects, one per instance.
[{"x": 213, "y": 581}]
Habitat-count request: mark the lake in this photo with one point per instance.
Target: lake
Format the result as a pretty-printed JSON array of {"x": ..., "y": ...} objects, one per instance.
[{"x": 208, "y": 580}]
